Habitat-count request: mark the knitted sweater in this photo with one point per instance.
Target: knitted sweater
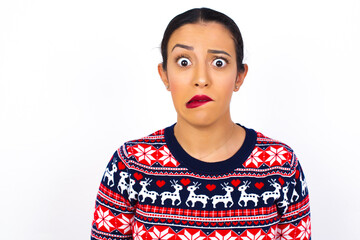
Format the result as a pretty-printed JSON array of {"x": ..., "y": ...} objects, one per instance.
[{"x": 153, "y": 189}]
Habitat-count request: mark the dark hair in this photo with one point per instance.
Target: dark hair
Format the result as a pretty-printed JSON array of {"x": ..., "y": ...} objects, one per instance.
[{"x": 196, "y": 15}]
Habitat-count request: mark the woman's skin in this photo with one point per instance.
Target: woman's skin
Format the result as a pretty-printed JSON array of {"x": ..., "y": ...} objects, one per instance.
[{"x": 202, "y": 61}]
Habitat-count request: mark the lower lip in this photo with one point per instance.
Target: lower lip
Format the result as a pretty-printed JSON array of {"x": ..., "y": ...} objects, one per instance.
[{"x": 195, "y": 104}]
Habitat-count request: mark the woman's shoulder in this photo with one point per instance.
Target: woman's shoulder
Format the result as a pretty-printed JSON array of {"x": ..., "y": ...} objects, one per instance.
[
  {"x": 270, "y": 152},
  {"x": 264, "y": 139},
  {"x": 143, "y": 148}
]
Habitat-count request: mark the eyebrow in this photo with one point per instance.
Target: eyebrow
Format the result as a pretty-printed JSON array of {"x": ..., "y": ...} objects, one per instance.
[
  {"x": 192, "y": 48},
  {"x": 218, "y": 51},
  {"x": 183, "y": 46}
]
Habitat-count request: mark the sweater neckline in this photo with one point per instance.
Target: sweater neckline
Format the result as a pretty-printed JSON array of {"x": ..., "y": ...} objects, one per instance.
[{"x": 198, "y": 166}]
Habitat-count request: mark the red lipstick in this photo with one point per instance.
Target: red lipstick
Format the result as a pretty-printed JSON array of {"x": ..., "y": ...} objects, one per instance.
[{"x": 197, "y": 101}]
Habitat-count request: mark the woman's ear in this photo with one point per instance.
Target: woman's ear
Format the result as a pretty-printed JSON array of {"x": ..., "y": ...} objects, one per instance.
[
  {"x": 163, "y": 76},
  {"x": 240, "y": 78}
]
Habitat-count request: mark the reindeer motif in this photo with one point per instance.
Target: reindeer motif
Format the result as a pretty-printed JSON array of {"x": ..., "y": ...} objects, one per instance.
[
  {"x": 223, "y": 198},
  {"x": 110, "y": 175},
  {"x": 146, "y": 193},
  {"x": 245, "y": 197},
  {"x": 294, "y": 193},
  {"x": 303, "y": 185},
  {"x": 285, "y": 203},
  {"x": 272, "y": 194},
  {"x": 172, "y": 195},
  {"x": 132, "y": 193},
  {"x": 193, "y": 198},
  {"x": 123, "y": 185}
]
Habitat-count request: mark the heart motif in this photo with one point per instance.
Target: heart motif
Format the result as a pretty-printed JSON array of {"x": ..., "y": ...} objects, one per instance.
[
  {"x": 259, "y": 185},
  {"x": 281, "y": 181},
  {"x": 242, "y": 223},
  {"x": 210, "y": 187},
  {"x": 199, "y": 223},
  {"x": 228, "y": 223},
  {"x": 235, "y": 223},
  {"x": 191, "y": 222},
  {"x": 160, "y": 183},
  {"x": 297, "y": 174},
  {"x": 121, "y": 166},
  {"x": 156, "y": 219},
  {"x": 162, "y": 219},
  {"x": 213, "y": 224},
  {"x": 235, "y": 182},
  {"x": 169, "y": 220},
  {"x": 221, "y": 223},
  {"x": 185, "y": 181},
  {"x": 138, "y": 176},
  {"x": 205, "y": 223},
  {"x": 146, "y": 140}
]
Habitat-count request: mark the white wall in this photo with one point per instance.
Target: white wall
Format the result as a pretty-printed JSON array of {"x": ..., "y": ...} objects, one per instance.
[{"x": 78, "y": 78}]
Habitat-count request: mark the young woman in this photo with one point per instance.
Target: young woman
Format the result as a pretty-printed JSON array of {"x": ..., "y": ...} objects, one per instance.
[{"x": 204, "y": 177}]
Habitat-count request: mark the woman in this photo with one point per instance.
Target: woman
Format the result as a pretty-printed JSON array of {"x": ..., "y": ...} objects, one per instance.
[{"x": 204, "y": 177}]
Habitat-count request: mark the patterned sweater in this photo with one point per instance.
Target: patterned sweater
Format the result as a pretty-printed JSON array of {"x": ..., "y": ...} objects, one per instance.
[{"x": 153, "y": 189}]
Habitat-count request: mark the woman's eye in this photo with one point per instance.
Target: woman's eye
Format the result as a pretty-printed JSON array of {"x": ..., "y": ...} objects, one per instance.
[
  {"x": 183, "y": 62},
  {"x": 219, "y": 63}
]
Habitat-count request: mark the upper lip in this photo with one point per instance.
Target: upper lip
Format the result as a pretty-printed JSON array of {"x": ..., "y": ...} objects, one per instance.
[{"x": 200, "y": 97}]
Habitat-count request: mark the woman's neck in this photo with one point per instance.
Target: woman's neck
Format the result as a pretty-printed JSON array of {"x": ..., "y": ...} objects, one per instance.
[{"x": 210, "y": 143}]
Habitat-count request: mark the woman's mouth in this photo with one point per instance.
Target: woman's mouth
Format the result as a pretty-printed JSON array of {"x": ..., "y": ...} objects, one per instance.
[{"x": 197, "y": 101}]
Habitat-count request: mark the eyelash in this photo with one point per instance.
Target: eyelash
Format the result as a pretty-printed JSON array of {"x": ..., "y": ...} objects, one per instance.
[
  {"x": 181, "y": 56},
  {"x": 225, "y": 59}
]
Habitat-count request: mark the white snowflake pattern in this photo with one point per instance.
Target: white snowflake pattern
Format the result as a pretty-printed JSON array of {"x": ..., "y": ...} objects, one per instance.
[
  {"x": 144, "y": 154},
  {"x": 156, "y": 234},
  {"x": 276, "y": 155},
  {"x": 138, "y": 232},
  {"x": 125, "y": 223},
  {"x": 104, "y": 219},
  {"x": 167, "y": 157},
  {"x": 284, "y": 233},
  {"x": 272, "y": 233},
  {"x": 250, "y": 236},
  {"x": 218, "y": 236},
  {"x": 254, "y": 158},
  {"x": 188, "y": 236},
  {"x": 304, "y": 228}
]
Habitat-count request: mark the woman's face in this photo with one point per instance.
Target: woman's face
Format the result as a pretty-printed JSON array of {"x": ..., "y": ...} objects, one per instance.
[{"x": 202, "y": 61}]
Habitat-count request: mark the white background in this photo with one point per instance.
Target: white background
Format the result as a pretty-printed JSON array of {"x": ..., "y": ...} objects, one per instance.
[{"x": 78, "y": 78}]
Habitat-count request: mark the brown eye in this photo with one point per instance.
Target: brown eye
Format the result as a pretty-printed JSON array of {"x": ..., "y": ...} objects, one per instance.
[
  {"x": 183, "y": 62},
  {"x": 219, "y": 63}
]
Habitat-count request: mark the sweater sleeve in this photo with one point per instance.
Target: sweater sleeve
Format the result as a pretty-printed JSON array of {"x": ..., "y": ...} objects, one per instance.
[
  {"x": 113, "y": 213},
  {"x": 294, "y": 207}
]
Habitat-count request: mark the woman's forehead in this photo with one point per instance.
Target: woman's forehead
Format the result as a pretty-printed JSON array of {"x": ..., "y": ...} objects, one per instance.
[{"x": 205, "y": 33}]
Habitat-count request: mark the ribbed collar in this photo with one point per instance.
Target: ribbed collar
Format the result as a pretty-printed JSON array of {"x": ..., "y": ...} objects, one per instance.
[{"x": 198, "y": 166}]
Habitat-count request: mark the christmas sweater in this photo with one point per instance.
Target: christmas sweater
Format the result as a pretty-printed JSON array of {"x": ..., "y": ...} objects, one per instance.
[{"x": 153, "y": 189}]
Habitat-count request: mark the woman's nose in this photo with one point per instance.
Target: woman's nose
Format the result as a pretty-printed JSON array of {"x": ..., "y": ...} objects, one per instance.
[{"x": 201, "y": 77}]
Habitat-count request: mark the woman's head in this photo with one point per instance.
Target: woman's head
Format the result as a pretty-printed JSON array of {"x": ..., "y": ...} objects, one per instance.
[
  {"x": 202, "y": 65},
  {"x": 198, "y": 15}
]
